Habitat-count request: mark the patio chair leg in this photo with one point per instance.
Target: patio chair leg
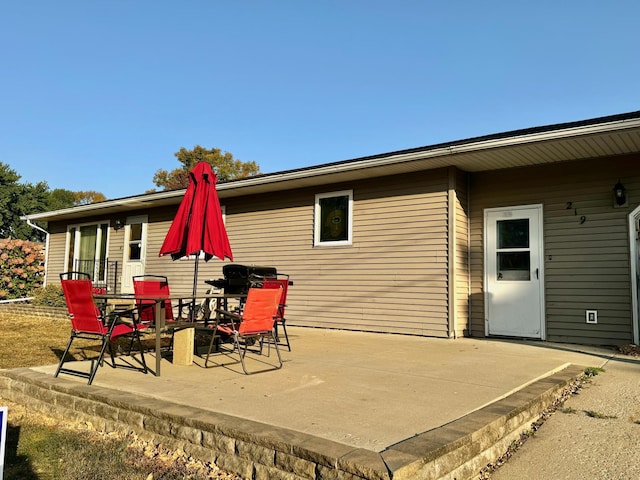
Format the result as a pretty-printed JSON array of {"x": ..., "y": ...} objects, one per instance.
[
  {"x": 64, "y": 355},
  {"x": 94, "y": 370},
  {"x": 111, "y": 354},
  {"x": 213, "y": 339},
  {"x": 278, "y": 352},
  {"x": 286, "y": 336},
  {"x": 243, "y": 352},
  {"x": 134, "y": 338},
  {"x": 144, "y": 363},
  {"x": 95, "y": 363}
]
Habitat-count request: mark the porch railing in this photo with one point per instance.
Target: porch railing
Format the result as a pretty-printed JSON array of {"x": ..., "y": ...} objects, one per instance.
[{"x": 105, "y": 274}]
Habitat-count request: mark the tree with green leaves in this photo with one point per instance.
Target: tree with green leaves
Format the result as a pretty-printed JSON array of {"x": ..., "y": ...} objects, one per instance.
[
  {"x": 9, "y": 192},
  {"x": 224, "y": 165},
  {"x": 60, "y": 198},
  {"x": 19, "y": 199}
]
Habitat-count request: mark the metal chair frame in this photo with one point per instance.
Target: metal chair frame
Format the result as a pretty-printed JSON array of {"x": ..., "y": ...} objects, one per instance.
[
  {"x": 256, "y": 323},
  {"x": 280, "y": 319},
  {"x": 88, "y": 322},
  {"x": 146, "y": 308}
]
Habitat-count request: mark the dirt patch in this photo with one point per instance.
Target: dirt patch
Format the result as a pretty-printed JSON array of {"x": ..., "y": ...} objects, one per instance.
[{"x": 631, "y": 350}]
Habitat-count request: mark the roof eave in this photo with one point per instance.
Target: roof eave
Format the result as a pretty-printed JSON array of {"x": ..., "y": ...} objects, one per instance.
[{"x": 468, "y": 155}]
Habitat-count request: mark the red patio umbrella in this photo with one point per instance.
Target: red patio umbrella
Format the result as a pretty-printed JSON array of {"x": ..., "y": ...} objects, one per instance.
[{"x": 198, "y": 225}]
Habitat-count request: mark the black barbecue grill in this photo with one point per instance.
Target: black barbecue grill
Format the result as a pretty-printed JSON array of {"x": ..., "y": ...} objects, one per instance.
[{"x": 238, "y": 278}]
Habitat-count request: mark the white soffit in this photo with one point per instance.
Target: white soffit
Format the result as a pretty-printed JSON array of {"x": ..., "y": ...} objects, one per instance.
[{"x": 535, "y": 149}]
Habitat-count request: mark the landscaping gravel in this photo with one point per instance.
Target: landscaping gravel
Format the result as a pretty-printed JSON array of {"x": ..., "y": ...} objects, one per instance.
[{"x": 594, "y": 435}]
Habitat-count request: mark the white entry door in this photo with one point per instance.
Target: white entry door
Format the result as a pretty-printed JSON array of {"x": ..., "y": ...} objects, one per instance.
[
  {"x": 514, "y": 296},
  {"x": 135, "y": 250}
]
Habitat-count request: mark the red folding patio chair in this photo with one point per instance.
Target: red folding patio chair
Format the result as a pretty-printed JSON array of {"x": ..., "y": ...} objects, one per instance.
[
  {"x": 89, "y": 323},
  {"x": 253, "y": 325},
  {"x": 283, "y": 282},
  {"x": 151, "y": 286}
]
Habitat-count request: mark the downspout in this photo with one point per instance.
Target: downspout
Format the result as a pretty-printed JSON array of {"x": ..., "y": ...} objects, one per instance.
[
  {"x": 635, "y": 274},
  {"x": 451, "y": 253},
  {"x": 46, "y": 248},
  {"x": 468, "y": 246}
]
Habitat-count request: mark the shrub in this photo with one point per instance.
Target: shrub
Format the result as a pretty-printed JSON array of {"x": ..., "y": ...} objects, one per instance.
[
  {"x": 21, "y": 268},
  {"x": 49, "y": 296}
]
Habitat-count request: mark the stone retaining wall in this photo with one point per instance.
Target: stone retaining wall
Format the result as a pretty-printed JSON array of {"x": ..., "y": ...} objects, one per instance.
[
  {"x": 256, "y": 451},
  {"x": 251, "y": 449}
]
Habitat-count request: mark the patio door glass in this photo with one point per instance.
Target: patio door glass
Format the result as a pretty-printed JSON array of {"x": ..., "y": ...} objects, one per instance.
[{"x": 87, "y": 250}]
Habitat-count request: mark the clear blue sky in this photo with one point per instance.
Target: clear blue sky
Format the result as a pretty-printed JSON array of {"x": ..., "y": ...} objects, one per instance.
[{"x": 98, "y": 95}]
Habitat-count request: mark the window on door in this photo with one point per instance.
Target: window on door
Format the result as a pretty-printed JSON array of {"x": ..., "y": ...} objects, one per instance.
[
  {"x": 87, "y": 249},
  {"x": 513, "y": 254},
  {"x": 135, "y": 241}
]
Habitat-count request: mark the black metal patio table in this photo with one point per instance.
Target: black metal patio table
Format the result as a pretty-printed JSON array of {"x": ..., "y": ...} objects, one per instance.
[{"x": 160, "y": 323}]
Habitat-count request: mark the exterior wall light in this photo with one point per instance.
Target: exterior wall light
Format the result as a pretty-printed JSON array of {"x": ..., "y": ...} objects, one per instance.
[
  {"x": 118, "y": 224},
  {"x": 619, "y": 195}
]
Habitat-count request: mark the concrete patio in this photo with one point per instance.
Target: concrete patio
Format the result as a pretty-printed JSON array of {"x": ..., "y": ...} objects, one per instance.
[{"x": 345, "y": 404}]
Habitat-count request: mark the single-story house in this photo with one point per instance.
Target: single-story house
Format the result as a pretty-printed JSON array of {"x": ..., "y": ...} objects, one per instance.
[{"x": 527, "y": 234}]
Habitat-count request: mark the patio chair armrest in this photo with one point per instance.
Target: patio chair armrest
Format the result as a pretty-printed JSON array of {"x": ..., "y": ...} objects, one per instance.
[
  {"x": 119, "y": 316},
  {"x": 227, "y": 313}
]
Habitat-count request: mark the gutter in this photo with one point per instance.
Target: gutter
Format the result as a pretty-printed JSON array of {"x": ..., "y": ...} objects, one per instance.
[
  {"x": 130, "y": 202},
  {"x": 46, "y": 247}
]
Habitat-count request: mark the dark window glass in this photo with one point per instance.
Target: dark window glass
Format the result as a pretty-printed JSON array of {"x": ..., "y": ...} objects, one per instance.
[
  {"x": 334, "y": 217},
  {"x": 135, "y": 241},
  {"x": 135, "y": 251},
  {"x": 514, "y": 266},
  {"x": 513, "y": 233}
]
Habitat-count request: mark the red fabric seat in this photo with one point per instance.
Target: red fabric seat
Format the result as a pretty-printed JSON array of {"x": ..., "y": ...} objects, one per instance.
[
  {"x": 254, "y": 325},
  {"x": 89, "y": 323},
  {"x": 151, "y": 286},
  {"x": 280, "y": 319}
]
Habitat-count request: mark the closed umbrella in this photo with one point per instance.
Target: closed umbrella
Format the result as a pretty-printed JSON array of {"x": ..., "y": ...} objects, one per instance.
[{"x": 198, "y": 227}]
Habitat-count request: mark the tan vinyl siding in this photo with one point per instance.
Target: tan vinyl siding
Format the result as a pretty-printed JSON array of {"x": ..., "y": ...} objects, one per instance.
[
  {"x": 55, "y": 255},
  {"x": 461, "y": 275},
  {"x": 586, "y": 265},
  {"x": 393, "y": 277},
  {"x": 476, "y": 266}
]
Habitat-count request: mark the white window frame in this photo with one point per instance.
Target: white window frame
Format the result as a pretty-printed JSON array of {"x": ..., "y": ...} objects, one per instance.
[
  {"x": 144, "y": 221},
  {"x": 317, "y": 219},
  {"x": 106, "y": 232}
]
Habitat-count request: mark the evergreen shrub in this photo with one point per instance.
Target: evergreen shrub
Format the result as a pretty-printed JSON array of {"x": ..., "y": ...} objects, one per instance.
[{"x": 49, "y": 296}]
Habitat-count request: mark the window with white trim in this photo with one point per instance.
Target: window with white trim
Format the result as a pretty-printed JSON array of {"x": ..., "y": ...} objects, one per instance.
[
  {"x": 333, "y": 218},
  {"x": 86, "y": 249}
]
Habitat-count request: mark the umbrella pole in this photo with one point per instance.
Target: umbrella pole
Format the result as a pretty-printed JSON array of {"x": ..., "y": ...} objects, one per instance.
[{"x": 195, "y": 288}]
